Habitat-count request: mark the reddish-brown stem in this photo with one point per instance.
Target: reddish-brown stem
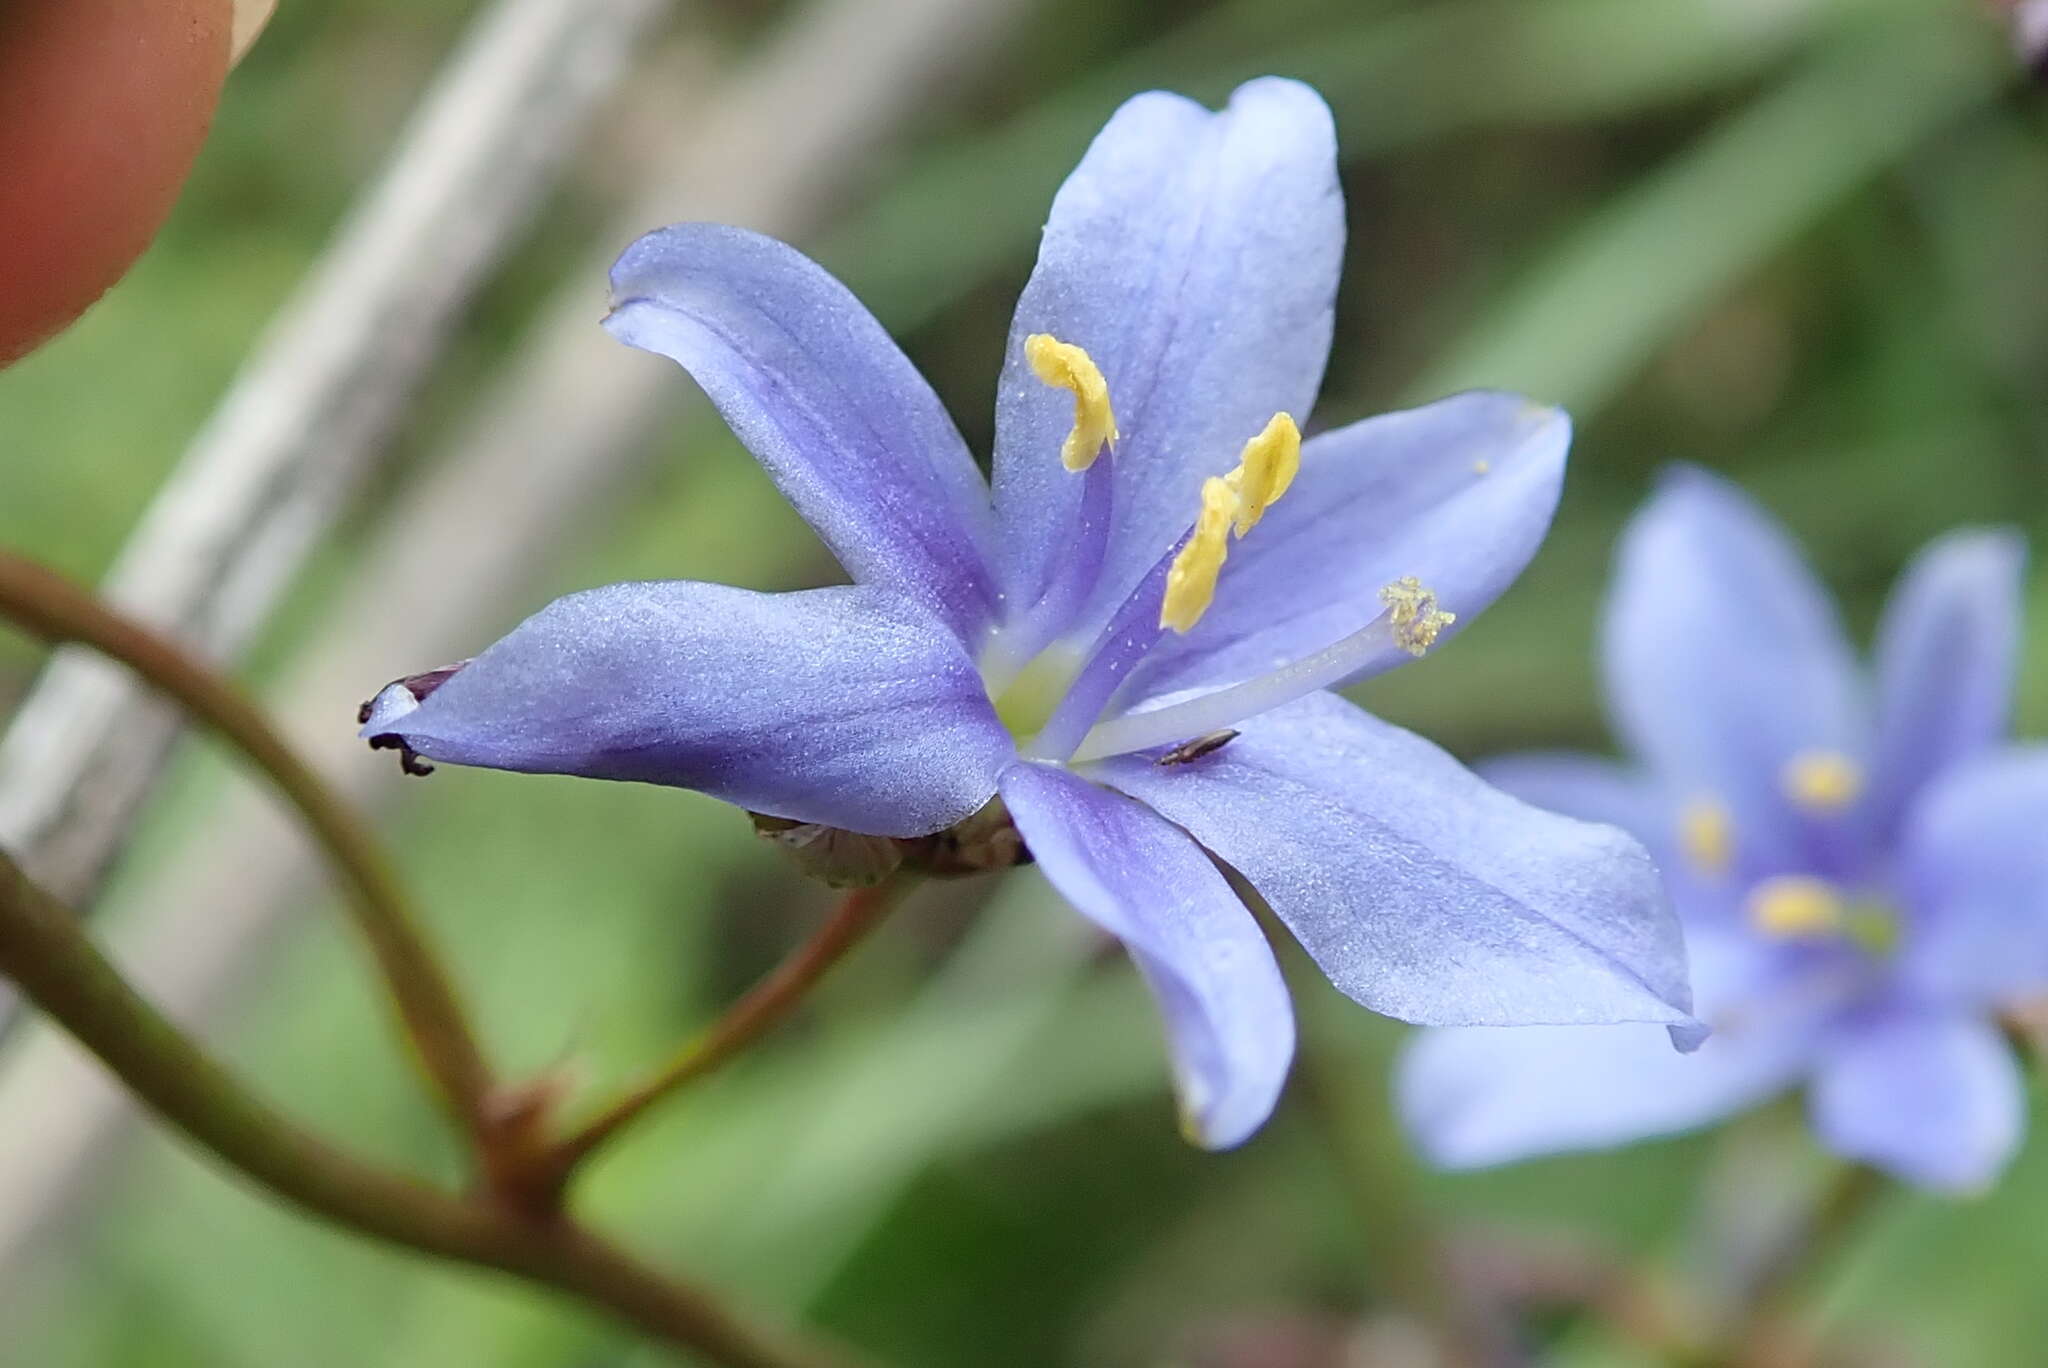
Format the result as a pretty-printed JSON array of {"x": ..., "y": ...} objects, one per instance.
[
  {"x": 50, "y": 607},
  {"x": 765, "y": 1005},
  {"x": 47, "y": 954}
]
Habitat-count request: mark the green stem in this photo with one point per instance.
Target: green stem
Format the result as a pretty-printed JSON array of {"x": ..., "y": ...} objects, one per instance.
[
  {"x": 766, "y": 1005},
  {"x": 47, "y": 955},
  {"x": 50, "y": 607}
]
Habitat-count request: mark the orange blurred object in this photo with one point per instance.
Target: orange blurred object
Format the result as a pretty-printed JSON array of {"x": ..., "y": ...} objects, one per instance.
[{"x": 103, "y": 105}]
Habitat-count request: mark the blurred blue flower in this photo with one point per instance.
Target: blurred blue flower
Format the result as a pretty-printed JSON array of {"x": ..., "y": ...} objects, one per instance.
[
  {"x": 1068, "y": 641},
  {"x": 1863, "y": 880}
]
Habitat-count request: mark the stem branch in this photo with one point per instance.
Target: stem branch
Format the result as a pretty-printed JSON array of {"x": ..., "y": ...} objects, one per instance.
[
  {"x": 47, "y": 955},
  {"x": 766, "y": 1005},
  {"x": 55, "y": 610}
]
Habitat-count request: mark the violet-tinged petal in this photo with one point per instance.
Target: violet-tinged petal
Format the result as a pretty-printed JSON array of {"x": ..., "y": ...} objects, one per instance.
[
  {"x": 1973, "y": 868},
  {"x": 1028, "y": 630},
  {"x": 1195, "y": 256},
  {"x": 851, "y": 706},
  {"x": 1131, "y": 633},
  {"x": 1473, "y": 1096},
  {"x": 380, "y": 716},
  {"x": 1724, "y": 660},
  {"x": 1933, "y": 1098},
  {"x": 1946, "y": 652},
  {"x": 819, "y": 392},
  {"x": 1229, "y": 1024},
  {"x": 1458, "y": 494},
  {"x": 1421, "y": 891}
]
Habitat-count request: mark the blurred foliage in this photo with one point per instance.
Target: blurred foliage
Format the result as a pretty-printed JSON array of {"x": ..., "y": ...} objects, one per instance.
[{"x": 1798, "y": 240}]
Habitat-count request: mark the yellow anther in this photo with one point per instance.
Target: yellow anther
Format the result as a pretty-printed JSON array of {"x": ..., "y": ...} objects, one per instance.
[
  {"x": 1191, "y": 579},
  {"x": 1822, "y": 780},
  {"x": 1413, "y": 614},
  {"x": 1066, "y": 366},
  {"x": 1707, "y": 835},
  {"x": 1267, "y": 467},
  {"x": 1481, "y": 466},
  {"x": 1796, "y": 907}
]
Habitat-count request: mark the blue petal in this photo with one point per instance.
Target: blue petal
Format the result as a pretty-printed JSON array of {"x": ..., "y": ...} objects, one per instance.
[
  {"x": 1935, "y": 1099},
  {"x": 1228, "y": 1019},
  {"x": 849, "y": 706},
  {"x": 1973, "y": 869},
  {"x": 1458, "y": 493},
  {"x": 1195, "y": 256},
  {"x": 810, "y": 382},
  {"x": 1473, "y": 1096},
  {"x": 1945, "y": 658},
  {"x": 1419, "y": 890},
  {"x": 1724, "y": 659}
]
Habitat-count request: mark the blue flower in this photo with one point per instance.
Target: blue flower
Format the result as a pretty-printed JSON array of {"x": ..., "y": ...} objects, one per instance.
[
  {"x": 1071, "y": 640},
  {"x": 1863, "y": 880}
]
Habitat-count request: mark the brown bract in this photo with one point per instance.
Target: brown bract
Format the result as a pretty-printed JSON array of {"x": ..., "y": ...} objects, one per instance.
[{"x": 103, "y": 105}]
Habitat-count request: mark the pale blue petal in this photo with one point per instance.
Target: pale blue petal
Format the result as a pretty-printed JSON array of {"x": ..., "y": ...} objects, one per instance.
[
  {"x": 1973, "y": 869},
  {"x": 817, "y": 390},
  {"x": 1946, "y": 652},
  {"x": 1195, "y": 256},
  {"x": 1420, "y": 891},
  {"x": 1724, "y": 659},
  {"x": 1936, "y": 1100},
  {"x": 1588, "y": 787},
  {"x": 1594, "y": 789},
  {"x": 1473, "y": 1096},
  {"x": 1229, "y": 1023},
  {"x": 850, "y": 706},
  {"x": 1458, "y": 494}
]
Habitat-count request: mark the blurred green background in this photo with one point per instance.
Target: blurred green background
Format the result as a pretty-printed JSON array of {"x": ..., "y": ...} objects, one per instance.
[{"x": 1800, "y": 241}]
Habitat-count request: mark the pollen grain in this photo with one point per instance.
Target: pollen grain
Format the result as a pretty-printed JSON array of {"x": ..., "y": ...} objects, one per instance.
[{"x": 1413, "y": 614}]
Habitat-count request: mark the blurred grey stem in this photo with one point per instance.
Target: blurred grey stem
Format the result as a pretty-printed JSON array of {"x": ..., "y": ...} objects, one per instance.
[
  {"x": 1408, "y": 1260},
  {"x": 549, "y": 444},
  {"x": 45, "y": 950},
  {"x": 1766, "y": 1333},
  {"x": 311, "y": 412}
]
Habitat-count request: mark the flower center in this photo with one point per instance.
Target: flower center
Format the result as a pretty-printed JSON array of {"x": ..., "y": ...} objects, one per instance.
[
  {"x": 1052, "y": 698},
  {"x": 1027, "y": 704}
]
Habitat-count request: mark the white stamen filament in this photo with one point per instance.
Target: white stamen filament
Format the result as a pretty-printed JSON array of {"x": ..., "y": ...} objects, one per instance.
[{"x": 1220, "y": 707}]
